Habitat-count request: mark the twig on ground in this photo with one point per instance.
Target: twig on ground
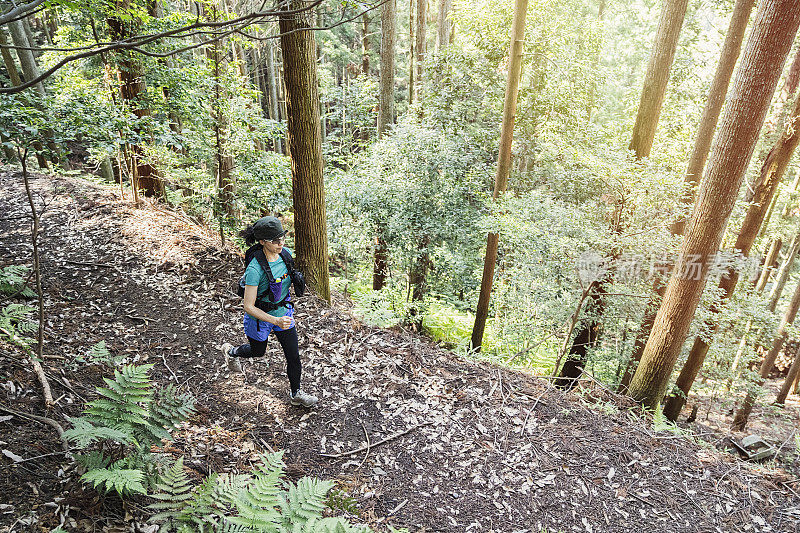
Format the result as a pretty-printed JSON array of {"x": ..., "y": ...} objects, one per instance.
[
  {"x": 44, "y": 420},
  {"x": 366, "y": 435},
  {"x": 387, "y": 439},
  {"x": 168, "y": 368}
]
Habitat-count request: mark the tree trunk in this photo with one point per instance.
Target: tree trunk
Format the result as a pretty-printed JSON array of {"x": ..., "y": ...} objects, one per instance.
[
  {"x": 503, "y": 164},
  {"x": 770, "y": 260},
  {"x": 697, "y": 161},
  {"x": 305, "y": 146},
  {"x": 791, "y": 377},
  {"x": 421, "y": 47},
  {"x": 365, "y": 43},
  {"x": 740, "y": 420},
  {"x": 132, "y": 88},
  {"x": 411, "y": 51},
  {"x": 386, "y": 91},
  {"x": 223, "y": 161},
  {"x": 274, "y": 84},
  {"x": 385, "y": 118},
  {"x": 772, "y": 172},
  {"x": 11, "y": 67},
  {"x": 444, "y": 23},
  {"x": 30, "y": 69},
  {"x": 716, "y": 97},
  {"x": 590, "y": 100},
  {"x": 657, "y": 76},
  {"x": 783, "y": 273},
  {"x": 769, "y": 43}
]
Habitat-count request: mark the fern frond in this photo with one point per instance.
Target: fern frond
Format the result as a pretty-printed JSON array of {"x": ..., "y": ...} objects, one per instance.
[
  {"x": 92, "y": 460},
  {"x": 306, "y": 501},
  {"x": 122, "y": 481},
  {"x": 174, "y": 493},
  {"x": 331, "y": 525},
  {"x": 258, "y": 504},
  {"x": 171, "y": 408},
  {"x": 12, "y": 278},
  {"x": 83, "y": 433}
]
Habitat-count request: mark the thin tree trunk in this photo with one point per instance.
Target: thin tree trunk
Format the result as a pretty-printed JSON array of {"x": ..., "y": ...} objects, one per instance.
[
  {"x": 36, "y": 358},
  {"x": 769, "y": 43},
  {"x": 590, "y": 100},
  {"x": 503, "y": 164},
  {"x": 742, "y": 415},
  {"x": 783, "y": 273},
  {"x": 365, "y": 43},
  {"x": 770, "y": 259},
  {"x": 305, "y": 146},
  {"x": 772, "y": 172},
  {"x": 411, "y": 51},
  {"x": 421, "y": 47},
  {"x": 444, "y": 23},
  {"x": 385, "y": 118},
  {"x": 273, "y": 94},
  {"x": 657, "y": 76}
]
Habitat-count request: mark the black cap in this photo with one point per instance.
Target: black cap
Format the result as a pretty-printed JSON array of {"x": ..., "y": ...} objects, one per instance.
[{"x": 268, "y": 229}]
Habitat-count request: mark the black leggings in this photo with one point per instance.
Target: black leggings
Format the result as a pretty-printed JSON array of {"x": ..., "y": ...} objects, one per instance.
[{"x": 288, "y": 340}]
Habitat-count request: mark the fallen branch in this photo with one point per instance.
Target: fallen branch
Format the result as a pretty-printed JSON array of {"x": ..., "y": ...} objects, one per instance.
[
  {"x": 367, "y": 446},
  {"x": 42, "y": 419}
]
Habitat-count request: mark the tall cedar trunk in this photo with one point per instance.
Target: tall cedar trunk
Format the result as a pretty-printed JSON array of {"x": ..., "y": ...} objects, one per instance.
[
  {"x": 411, "y": 53},
  {"x": 657, "y": 76},
  {"x": 305, "y": 145},
  {"x": 30, "y": 69},
  {"x": 273, "y": 94},
  {"x": 644, "y": 130},
  {"x": 769, "y": 43},
  {"x": 716, "y": 97},
  {"x": 790, "y": 379},
  {"x": 421, "y": 47},
  {"x": 503, "y": 164},
  {"x": 772, "y": 172},
  {"x": 385, "y": 118},
  {"x": 365, "y": 43},
  {"x": 132, "y": 86},
  {"x": 743, "y": 413},
  {"x": 444, "y": 23},
  {"x": 8, "y": 60}
]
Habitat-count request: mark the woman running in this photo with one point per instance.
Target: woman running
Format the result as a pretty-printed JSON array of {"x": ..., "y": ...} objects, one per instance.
[{"x": 267, "y": 304}]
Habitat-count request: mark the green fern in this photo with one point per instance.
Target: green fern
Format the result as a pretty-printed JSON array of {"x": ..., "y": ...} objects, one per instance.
[
  {"x": 124, "y": 481},
  {"x": 12, "y": 281},
  {"x": 83, "y": 433},
  {"x": 15, "y": 325},
  {"x": 174, "y": 495},
  {"x": 125, "y": 421},
  {"x": 306, "y": 501},
  {"x": 100, "y": 354},
  {"x": 258, "y": 507}
]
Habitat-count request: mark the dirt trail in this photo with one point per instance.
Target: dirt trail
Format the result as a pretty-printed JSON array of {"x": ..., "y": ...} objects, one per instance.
[{"x": 472, "y": 448}]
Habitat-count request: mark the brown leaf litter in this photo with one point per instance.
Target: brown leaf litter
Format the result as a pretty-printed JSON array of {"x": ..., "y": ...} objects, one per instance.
[{"x": 419, "y": 437}]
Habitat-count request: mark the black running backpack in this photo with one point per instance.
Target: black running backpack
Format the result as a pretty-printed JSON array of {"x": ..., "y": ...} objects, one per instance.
[{"x": 265, "y": 301}]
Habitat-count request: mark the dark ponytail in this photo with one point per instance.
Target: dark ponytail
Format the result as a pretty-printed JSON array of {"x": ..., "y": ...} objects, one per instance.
[{"x": 248, "y": 234}]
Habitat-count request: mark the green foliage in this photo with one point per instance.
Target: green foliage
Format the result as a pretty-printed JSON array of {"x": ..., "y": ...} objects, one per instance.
[
  {"x": 100, "y": 354},
  {"x": 118, "y": 429},
  {"x": 16, "y": 326},
  {"x": 261, "y": 502},
  {"x": 12, "y": 282}
]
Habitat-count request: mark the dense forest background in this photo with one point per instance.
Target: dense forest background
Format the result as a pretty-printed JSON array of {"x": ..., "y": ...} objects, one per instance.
[{"x": 186, "y": 102}]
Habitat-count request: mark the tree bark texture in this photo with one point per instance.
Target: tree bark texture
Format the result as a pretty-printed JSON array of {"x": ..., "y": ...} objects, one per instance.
[
  {"x": 770, "y": 262},
  {"x": 769, "y": 43},
  {"x": 386, "y": 91},
  {"x": 743, "y": 413},
  {"x": 791, "y": 376},
  {"x": 305, "y": 146},
  {"x": 421, "y": 47},
  {"x": 8, "y": 60},
  {"x": 411, "y": 51},
  {"x": 30, "y": 69},
  {"x": 444, "y": 24},
  {"x": 365, "y": 43},
  {"x": 783, "y": 273},
  {"x": 657, "y": 76},
  {"x": 503, "y": 164},
  {"x": 772, "y": 171}
]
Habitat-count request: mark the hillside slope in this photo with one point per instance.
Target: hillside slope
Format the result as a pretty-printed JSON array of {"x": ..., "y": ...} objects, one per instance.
[{"x": 471, "y": 447}]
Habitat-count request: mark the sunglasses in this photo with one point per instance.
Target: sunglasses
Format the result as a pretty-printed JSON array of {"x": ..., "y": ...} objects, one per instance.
[{"x": 279, "y": 240}]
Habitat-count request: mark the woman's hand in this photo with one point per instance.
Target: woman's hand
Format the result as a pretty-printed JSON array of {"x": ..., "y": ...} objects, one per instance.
[{"x": 283, "y": 322}]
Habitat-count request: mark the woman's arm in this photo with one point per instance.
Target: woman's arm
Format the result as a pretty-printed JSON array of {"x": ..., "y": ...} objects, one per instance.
[{"x": 250, "y": 293}]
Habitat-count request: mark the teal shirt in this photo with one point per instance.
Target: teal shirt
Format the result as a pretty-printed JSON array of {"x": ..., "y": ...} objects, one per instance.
[{"x": 255, "y": 275}]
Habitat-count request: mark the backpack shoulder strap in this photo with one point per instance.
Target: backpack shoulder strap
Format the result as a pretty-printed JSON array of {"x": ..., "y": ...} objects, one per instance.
[
  {"x": 288, "y": 260},
  {"x": 262, "y": 260}
]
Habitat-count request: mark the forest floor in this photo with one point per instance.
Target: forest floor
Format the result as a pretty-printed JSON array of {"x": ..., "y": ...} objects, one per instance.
[{"x": 471, "y": 447}]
